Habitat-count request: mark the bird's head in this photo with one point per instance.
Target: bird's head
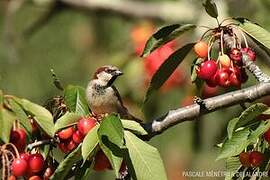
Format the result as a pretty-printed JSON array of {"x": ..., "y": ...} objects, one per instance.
[{"x": 107, "y": 74}]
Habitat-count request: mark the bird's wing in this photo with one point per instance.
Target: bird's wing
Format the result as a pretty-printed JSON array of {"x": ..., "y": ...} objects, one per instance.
[{"x": 122, "y": 110}]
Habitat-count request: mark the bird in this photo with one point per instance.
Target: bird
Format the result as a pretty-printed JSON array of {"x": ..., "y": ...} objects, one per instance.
[{"x": 103, "y": 97}]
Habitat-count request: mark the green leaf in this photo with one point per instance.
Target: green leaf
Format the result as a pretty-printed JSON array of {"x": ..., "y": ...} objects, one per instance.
[
  {"x": 21, "y": 115},
  {"x": 66, "y": 120},
  {"x": 90, "y": 142},
  {"x": 167, "y": 68},
  {"x": 64, "y": 167},
  {"x": 134, "y": 126},
  {"x": 232, "y": 166},
  {"x": 259, "y": 131},
  {"x": 250, "y": 114},
  {"x": 165, "y": 35},
  {"x": 231, "y": 127},
  {"x": 210, "y": 8},
  {"x": 194, "y": 66},
  {"x": 145, "y": 159},
  {"x": 75, "y": 100},
  {"x": 42, "y": 116},
  {"x": 260, "y": 34},
  {"x": 267, "y": 112},
  {"x": 235, "y": 145},
  {"x": 7, "y": 120},
  {"x": 111, "y": 140}
]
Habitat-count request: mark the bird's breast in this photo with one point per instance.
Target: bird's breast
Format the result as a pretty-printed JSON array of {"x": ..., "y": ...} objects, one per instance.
[{"x": 102, "y": 100}]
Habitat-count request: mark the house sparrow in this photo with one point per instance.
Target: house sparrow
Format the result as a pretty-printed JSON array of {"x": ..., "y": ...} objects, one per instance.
[{"x": 103, "y": 97}]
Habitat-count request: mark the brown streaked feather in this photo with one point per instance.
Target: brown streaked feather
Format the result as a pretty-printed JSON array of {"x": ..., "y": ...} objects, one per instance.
[
  {"x": 99, "y": 70},
  {"x": 123, "y": 111}
]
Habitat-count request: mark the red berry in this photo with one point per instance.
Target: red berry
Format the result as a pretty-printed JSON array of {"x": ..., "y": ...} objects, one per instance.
[
  {"x": 250, "y": 53},
  {"x": 24, "y": 156},
  {"x": 19, "y": 167},
  {"x": 201, "y": 49},
  {"x": 35, "y": 178},
  {"x": 235, "y": 77},
  {"x": 267, "y": 135},
  {"x": 18, "y": 138},
  {"x": 101, "y": 162},
  {"x": 207, "y": 69},
  {"x": 256, "y": 158},
  {"x": 71, "y": 145},
  {"x": 34, "y": 126},
  {"x": 211, "y": 82},
  {"x": 36, "y": 162},
  {"x": 222, "y": 77},
  {"x": 209, "y": 91},
  {"x": 236, "y": 55},
  {"x": 63, "y": 147},
  {"x": 77, "y": 137},
  {"x": 244, "y": 159},
  {"x": 48, "y": 173},
  {"x": 65, "y": 133},
  {"x": 85, "y": 125}
]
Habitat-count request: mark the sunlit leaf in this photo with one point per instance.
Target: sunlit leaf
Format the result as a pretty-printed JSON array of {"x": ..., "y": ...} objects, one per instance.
[
  {"x": 6, "y": 123},
  {"x": 42, "y": 116},
  {"x": 111, "y": 140},
  {"x": 66, "y": 120},
  {"x": 21, "y": 115},
  {"x": 235, "y": 145},
  {"x": 90, "y": 142},
  {"x": 259, "y": 131},
  {"x": 231, "y": 127},
  {"x": 134, "y": 126},
  {"x": 75, "y": 100},
  {"x": 260, "y": 34},
  {"x": 250, "y": 114},
  {"x": 232, "y": 166},
  {"x": 145, "y": 159}
]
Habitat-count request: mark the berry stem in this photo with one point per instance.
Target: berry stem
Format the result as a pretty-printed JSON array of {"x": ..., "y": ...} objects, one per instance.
[
  {"x": 211, "y": 42},
  {"x": 221, "y": 42},
  {"x": 7, "y": 165},
  {"x": 244, "y": 37},
  {"x": 40, "y": 143},
  {"x": 4, "y": 147},
  {"x": 218, "y": 22}
]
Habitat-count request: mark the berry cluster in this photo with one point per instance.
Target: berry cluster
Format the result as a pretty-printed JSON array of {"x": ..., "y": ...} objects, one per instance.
[
  {"x": 31, "y": 166},
  {"x": 71, "y": 137},
  {"x": 251, "y": 159},
  {"x": 227, "y": 69},
  {"x": 254, "y": 158}
]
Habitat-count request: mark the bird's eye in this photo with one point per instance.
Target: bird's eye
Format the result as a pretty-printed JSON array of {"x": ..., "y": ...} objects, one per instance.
[{"x": 109, "y": 70}]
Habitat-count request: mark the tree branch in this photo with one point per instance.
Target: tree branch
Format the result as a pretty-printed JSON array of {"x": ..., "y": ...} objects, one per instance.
[
  {"x": 165, "y": 11},
  {"x": 189, "y": 113}
]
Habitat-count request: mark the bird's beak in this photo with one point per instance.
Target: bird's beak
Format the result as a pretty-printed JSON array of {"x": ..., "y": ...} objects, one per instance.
[{"x": 118, "y": 73}]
